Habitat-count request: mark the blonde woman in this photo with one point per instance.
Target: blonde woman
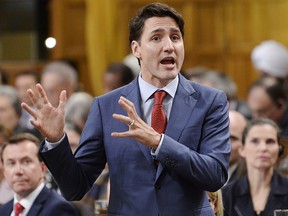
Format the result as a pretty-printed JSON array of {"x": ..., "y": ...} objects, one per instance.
[{"x": 216, "y": 202}]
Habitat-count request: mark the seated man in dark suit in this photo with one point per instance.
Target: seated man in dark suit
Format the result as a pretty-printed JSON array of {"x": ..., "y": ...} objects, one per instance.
[{"x": 24, "y": 172}]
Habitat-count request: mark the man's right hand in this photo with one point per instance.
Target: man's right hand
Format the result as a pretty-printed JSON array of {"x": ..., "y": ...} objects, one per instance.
[{"x": 48, "y": 120}]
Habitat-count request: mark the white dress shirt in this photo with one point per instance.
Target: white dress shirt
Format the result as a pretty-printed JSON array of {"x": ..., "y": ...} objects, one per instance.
[{"x": 28, "y": 201}]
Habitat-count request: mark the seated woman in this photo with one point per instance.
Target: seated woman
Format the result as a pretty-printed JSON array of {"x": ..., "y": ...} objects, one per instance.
[{"x": 262, "y": 189}]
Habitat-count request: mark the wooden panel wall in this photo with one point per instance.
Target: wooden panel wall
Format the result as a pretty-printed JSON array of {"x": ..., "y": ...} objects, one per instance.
[{"x": 218, "y": 33}]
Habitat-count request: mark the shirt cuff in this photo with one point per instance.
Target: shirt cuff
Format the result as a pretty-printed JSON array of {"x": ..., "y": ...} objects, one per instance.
[
  {"x": 49, "y": 145},
  {"x": 155, "y": 152}
]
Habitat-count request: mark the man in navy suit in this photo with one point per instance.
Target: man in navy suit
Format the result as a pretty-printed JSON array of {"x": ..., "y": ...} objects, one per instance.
[
  {"x": 25, "y": 173},
  {"x": 192, "y": 153}
]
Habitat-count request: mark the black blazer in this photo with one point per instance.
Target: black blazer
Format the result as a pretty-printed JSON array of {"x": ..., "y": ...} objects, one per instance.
[
  {"x": 48, "y": 203},
  {"x": 238, "y": 202}
]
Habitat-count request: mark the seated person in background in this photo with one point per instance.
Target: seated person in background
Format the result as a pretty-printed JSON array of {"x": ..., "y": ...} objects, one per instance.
[
  {"x": 236, "y": 126},
  {"x": 23, "y": 81},
  {"x": 270, "y": 59},
  {"x": 6, "y": 192},
  {"x": 216, "y": 202},
  {"x": 266, "y": 98},
  {"x": 262, "y": 189},
  {"x": 117, "y": 75},
  {"x": 11, "y": 110},
  {"x": 24, "y": 171},
  {"x": 77, "y": 109},
  {"x": 58, "y": 76}
]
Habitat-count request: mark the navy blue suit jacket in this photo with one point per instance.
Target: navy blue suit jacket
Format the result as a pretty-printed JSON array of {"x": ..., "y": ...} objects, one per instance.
[
  {"x": 48, "y": 203},
  {"x": 193, "y": 158},
  {"x": 238, "y": 202}
]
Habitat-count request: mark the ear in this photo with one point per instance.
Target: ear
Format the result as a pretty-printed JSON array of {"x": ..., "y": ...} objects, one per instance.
[
  {"x": 136, "y": 49},
  {"x": 242, "y": 152},
  {"x": 281, "y": 150},
  {"x": 280, "y": 103},
  {"x": 43, "y": 167}
]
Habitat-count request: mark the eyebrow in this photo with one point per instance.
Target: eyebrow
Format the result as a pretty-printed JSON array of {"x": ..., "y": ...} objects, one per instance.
[{"x": 162, "y": 30}]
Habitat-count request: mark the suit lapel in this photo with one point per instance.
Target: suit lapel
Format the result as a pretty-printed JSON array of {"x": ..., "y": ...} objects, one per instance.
[
  {"x": 182, "y": 107},
  {"x": 9, "y": 209},
  {"x": 38, "y": 203}
]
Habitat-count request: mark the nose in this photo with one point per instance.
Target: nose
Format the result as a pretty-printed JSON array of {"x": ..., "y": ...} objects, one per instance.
[
  {"x": 18, "y": 169},
  {"x": 263, "y": 146},
  {"x": 168, "y": 45}
]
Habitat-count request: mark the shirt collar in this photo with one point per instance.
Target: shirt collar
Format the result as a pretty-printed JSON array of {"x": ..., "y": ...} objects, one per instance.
[
  {"x": 146, "y": 89},
  {"x": 27, "y": 201}
]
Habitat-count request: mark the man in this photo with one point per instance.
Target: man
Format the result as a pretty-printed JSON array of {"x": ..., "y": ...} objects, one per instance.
[
  {"x": 270, "y": 59},
  {"x": 266, "y": 98},
  {"x": 23, "y": 81},
  {"x": 237, "y": 125},
  {"x": 24, "y": 171},
  {"x": 117, "y": 75},
  {"x": 10, "y": 111},
  {"x": 5, "y": 191},
  {"x": 57, "y": 76},
  {"x": 152, "y": 171}
]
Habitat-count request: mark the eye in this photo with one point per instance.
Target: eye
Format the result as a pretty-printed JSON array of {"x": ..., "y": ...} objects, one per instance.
[
  {"x": 254, "y": 141},
  {"x": 271, "y": 141},
  {"x": 10, "y": 163},
  {"x": 156, "y": 38},
  {"x": 27, "y": 161},
  {"x": 175, "y": 37}
]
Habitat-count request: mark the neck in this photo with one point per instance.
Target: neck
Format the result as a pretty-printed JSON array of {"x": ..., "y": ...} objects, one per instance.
[{"x": 259, "y": 178}]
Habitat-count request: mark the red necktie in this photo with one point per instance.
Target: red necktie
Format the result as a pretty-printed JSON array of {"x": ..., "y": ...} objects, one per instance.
[
  {"x": 18, "y": 208},
  {"x": 158, "y": 117}
]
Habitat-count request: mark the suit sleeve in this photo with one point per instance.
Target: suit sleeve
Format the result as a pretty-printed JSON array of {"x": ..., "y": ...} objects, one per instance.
[{"x": 75, "y": 175}]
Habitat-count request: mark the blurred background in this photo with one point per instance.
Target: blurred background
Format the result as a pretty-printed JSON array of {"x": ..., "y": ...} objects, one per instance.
[{"x": 91, "y": 34}]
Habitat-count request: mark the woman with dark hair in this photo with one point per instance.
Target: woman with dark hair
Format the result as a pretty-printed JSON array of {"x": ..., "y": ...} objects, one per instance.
[{"x": 262, "y": 190}]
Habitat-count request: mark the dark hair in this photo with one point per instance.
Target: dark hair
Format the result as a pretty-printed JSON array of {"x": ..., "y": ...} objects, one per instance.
[
  {"x": 18, "y": 138},
  {"x": 263, "y": 121},
  {"x": 152, "y": 10},
  {"x": 3, "y": 77},
  {"x": 121, "y": 69},
  {"x": 272, "y": 87}
]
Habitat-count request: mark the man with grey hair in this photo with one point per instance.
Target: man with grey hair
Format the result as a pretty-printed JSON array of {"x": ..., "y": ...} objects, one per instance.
[
  {"x": 10, "y": 111},
  {"x": 58, "y": 76}
]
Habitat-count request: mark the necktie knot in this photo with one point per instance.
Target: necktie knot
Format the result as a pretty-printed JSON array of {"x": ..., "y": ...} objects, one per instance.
[
  {"x": 159, "y": 97},
  {"x": 18, "y": 209}
]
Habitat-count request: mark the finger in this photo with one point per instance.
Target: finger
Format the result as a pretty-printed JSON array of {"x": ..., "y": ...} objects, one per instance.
[
  {"x": 121, "y": 134},
  {"x": 34, "y": 99},
  {"x": 127, "y": 105},
  {"x": 42, "y": 94},
  {"x": 124, "y": 119},
  {"x": 30, "y": 110},
  {"x": 62, "y": 99}
]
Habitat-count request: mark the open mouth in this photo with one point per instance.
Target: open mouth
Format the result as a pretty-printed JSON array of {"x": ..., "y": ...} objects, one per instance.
[{"x": 168, "y": 60}]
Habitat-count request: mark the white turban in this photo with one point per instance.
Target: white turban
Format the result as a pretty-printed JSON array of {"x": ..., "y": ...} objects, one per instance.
[{"x": 271, "y": 57}]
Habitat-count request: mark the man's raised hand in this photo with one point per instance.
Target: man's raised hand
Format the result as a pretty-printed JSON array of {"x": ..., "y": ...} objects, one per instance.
[{"x": 48, "y": 120}]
